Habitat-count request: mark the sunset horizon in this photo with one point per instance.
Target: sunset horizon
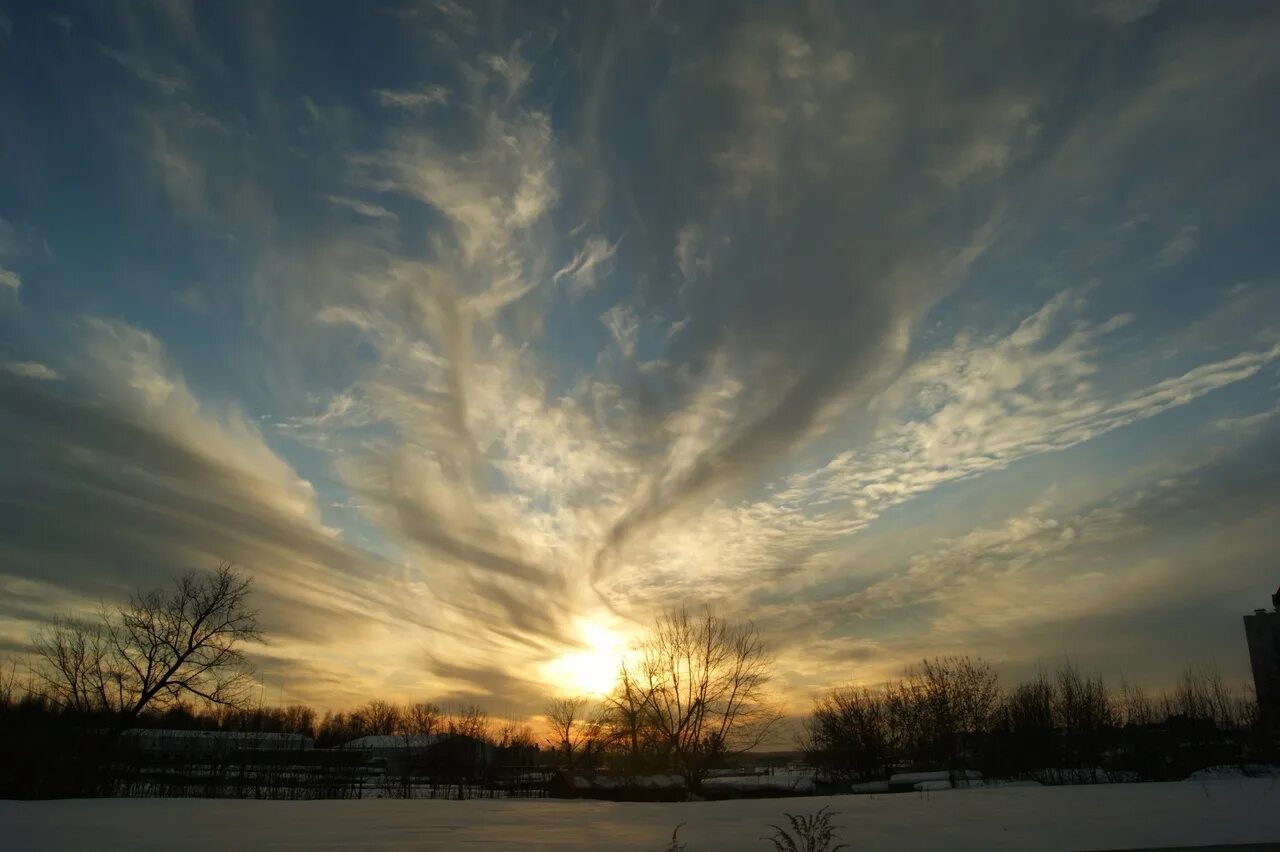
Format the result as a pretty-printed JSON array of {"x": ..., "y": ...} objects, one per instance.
[{"x": 480, "y": 336}]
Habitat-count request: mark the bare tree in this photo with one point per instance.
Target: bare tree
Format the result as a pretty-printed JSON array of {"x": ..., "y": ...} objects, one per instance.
[
  {"x": 466, "y": 745},
  {"x": 1083, "y": 709},
  {"x": 1202, "y": 695},
  {"x": 422, "y": 719},
  {"x": 471, "y": 721},
  {"x": 626, "y": 709},
  {"x": 514, "y": 734},
  {"x": 298, "y": 719},
  {"x": 11, "y": 687},
  {"x": 946, "y": 701},
  {"x": 156, "y": 650},
  {"x": 71, "y": 665},
  {"x": 706, "y": 682},
  {"x": 377, "y": 718},
  {"x": 1222, "y": 704},
  {"x": 577, "y": 731},
  {"x": 1135, "y": 706},
  {"x": 909, "y": 729},
  {"x": 848, "y": 733},
  {"x": 1025, "y": 726}
]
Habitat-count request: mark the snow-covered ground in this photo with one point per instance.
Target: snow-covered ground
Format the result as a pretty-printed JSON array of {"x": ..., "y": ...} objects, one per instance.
[{"x": 1113, "y": 816}]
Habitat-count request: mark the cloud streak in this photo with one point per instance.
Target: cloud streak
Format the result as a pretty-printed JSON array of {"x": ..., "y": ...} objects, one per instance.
[{"x": 526, "y": 322}]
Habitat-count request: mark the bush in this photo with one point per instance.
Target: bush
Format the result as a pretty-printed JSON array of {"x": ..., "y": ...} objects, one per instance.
[{"x": 813, "y": 833}]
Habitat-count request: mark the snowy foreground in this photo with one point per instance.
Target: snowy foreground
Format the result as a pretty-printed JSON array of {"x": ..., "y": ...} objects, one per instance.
[{"x": 1119, "y": 816}]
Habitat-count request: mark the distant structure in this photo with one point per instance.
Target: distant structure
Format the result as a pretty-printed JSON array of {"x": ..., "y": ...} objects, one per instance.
[
  {"x": 211, "y": 743},
  {"x": 1262, "y": 629}
]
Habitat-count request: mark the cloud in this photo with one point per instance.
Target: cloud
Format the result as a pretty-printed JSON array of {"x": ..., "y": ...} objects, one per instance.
[
  {"x": 1109, "y": 575},
  {"x": 212, "y": 159},
  {"x": 487, "y": 194},
  {"x": 990, "y": 145},
  {"x": 692, "y": 259},
  {"x": 158, "y": 484},
  {"x": 971, "y": 408},
  {"x": 815, "y": 309},
  {"x": 33, "y": 370},
  {"x": 1123, "y": 12},
  {"x": 1103, "y": 561},
  {"x": 1245, "y": 423},
  {"x": 364, "y": 208},
  {"x": 414, "y": 101},
  {"x": 11, "y": 244},
  {"x": 466, "y": 406},
  {"x": 168, "y": 83},
  {"x": 975, "y": 407},
  {"x": 623, "y": 327},
  {"x": 852, "y": 290},
  {"x": 455, "y": 11},
  {"x": 799, "y": 280},
  {"x": 1181, "y": 246},
  {"x": 587, "y": 265}
]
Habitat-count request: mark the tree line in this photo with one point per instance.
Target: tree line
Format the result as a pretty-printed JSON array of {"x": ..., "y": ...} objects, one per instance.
[
  {"x": 951, "y": 713},
  {"x": 695, "y": 695},
  {"x": 175, "y": 659}
]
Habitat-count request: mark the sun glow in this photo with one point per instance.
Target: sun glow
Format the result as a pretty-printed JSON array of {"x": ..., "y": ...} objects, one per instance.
[{"x": 593, "y": 668}]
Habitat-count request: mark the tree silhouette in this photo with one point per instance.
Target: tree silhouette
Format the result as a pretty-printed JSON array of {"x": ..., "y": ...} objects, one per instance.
[
  {"x": 706, "y": 681},
  {"x": 154, "y": 651}
]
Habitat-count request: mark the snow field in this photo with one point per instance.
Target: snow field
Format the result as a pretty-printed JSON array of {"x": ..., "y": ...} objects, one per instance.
[{"x": 1092, "y": 817}]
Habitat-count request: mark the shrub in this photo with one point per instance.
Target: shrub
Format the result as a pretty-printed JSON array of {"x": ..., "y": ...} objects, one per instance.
[{"x": 813, "y": 833}]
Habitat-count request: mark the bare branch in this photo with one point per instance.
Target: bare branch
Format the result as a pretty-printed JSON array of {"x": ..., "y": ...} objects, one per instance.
[{"x": 155, "y": 649}]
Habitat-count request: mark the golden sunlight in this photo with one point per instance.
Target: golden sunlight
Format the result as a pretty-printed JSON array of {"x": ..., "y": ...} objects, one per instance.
[{"x": 593, "y": 669}]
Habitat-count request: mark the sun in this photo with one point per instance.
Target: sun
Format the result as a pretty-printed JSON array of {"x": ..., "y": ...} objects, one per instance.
[{"x": 593, "y": 669}]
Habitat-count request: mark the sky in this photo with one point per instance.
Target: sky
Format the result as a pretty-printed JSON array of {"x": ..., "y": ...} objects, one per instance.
[{"x": 480, "y": 334}]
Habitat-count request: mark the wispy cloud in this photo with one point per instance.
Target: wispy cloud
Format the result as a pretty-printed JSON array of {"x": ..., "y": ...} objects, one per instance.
[
  {"x": 414, "y": 100},
  {"x": 364, "y": 208},
  {"x": 168, "y": 82},
  {"x": 623, "y": 327},
  {"x": 969, "y": 409},
  {"x": 510, "y": 339},
  {"x": 588, "y": 265},
  {"x": 976, "y": 407},
  {"x": 33, "y": 370},
  {"x": 1179, "y": 247},
  {"x": 210, "y": 486},
  {"x": 1122, "y": 12}
]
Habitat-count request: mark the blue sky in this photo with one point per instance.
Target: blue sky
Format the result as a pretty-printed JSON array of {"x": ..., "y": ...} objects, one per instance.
[{"x": 481, "y": 333}]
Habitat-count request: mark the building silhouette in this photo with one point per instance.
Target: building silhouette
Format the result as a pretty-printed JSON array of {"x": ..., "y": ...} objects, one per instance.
[{"x": 1262, "y": 630}]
